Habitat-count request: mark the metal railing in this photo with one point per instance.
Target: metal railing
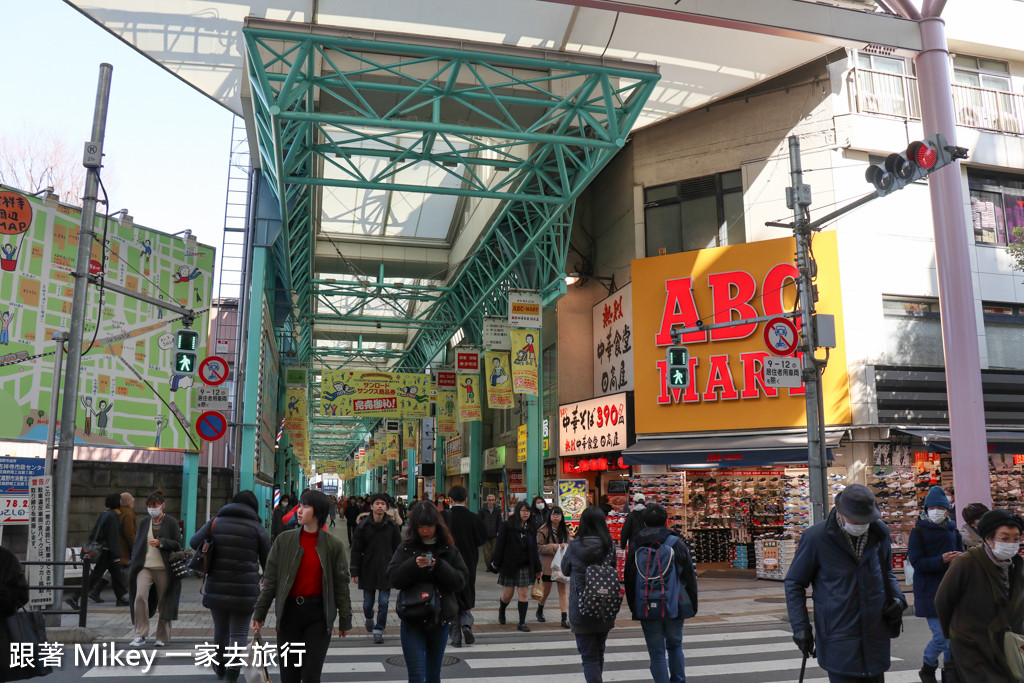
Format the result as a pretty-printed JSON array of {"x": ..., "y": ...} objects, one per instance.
[
  {"x": 881, "y": 92},
  {"x": 65, "y": 588}
]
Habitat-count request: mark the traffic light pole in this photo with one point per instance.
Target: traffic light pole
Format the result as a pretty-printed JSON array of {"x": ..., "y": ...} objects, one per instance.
[
  {"x": 799, "y": 198},
  {"x": 69, "y": 409}
]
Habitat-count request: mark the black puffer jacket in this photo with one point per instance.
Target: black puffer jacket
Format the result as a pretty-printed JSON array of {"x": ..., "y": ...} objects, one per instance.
[
  {"x": 448, "y": 574},
  {"x": 240, "y": 549},
  {"x": 373, "y": 546},
  {"x": 585, "y": 551}
]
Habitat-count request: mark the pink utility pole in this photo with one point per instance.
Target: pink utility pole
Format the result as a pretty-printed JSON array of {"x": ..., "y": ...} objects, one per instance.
[{"x": 952, "y": 262}]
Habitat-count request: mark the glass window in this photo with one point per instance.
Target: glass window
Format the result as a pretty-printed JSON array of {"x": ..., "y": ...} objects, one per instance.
[
  {"x": 997, "y": 206},
  {"x": 1004, "y": 325},
  {"x": 913, "y": 332},
  {"x": 981, "y": 73},
  {"x": 694, "y": 214}
]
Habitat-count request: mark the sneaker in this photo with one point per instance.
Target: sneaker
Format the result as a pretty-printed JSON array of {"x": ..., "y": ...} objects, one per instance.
[
  {"x": 137, "y": 641},
  {"x": 369, "y": 625},
  {"x": 160, "y": 643},
  {"x": 378, "y": 637}
]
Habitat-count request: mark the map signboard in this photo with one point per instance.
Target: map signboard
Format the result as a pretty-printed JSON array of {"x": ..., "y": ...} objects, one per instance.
[{"x": 129, "y": 397}]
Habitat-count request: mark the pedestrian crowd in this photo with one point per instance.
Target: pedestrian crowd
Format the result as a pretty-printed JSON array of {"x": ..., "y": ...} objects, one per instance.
[{"x": 968, "y": 583}]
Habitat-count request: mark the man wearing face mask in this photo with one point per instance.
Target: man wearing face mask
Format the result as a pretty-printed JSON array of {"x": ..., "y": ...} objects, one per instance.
[
  {"x": 848, "y": 561},
  {"x": 981, "y": 597},
  {"x": 934, "y": 543}
]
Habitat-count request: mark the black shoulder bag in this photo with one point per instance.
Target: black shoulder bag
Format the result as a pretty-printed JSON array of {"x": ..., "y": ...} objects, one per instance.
[{"x": 892, "y": 613}]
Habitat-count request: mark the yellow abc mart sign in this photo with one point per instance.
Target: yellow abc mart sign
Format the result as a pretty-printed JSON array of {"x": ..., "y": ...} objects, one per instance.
[{"x": 727, "y": 389}]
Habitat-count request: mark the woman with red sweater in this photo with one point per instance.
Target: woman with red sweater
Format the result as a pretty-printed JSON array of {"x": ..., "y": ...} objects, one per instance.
[{"x": 307, "y": 578}]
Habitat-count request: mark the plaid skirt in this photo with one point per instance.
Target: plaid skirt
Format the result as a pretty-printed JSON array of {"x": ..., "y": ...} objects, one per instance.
[{"x": 523, "y": 577}]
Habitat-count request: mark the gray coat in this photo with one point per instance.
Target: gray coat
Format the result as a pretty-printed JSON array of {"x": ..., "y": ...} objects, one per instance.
[
  {"x": 170, "y": 542},
  {"x": 849, "y": 596}
]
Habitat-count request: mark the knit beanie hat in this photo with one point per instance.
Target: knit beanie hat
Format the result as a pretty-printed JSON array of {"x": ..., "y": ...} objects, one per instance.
[
  {"x": 993, "y": 519},
  {"x": 936, "y": 498}
]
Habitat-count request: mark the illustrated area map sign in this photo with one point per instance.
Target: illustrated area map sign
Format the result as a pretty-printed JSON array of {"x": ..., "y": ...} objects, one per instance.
[{"x": 129, "y": 395}]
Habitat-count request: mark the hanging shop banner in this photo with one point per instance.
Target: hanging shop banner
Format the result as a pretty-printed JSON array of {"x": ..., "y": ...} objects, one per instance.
[
  {"x": 495, "y": 333},
  {"x": 469, "y": 398},
  {"x": 294, "y": 376},
  {"x": 296, "y": 420},
  {"x": 467, "y": 361},
  {"x": 499, "y": 384},
  {"x": 327, "y": 467},
  {"x": 727, "y": 388},
  {"x": 524, "y": 361},
  {"x": 391, "y": 446},
  {"x": 524, "y": 309},
  {"x": 572, "y": 498},
  {"x": 613, "y": 343},
  {"x": 522, "y": 440},
  {"x": 410, "y": 442},
  {"x": 129, "y": 393},
  {"x": 362, "y": 393},
  {"x": 494, "y": 457},
  {"x": 446, "y": 416},
  {"x": 446, "y": 380},
  {"x": 600, "y": 425},
  {"x": 453, "y": 455}
]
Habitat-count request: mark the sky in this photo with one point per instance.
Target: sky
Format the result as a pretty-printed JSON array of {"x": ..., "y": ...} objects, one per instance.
[{"x": 166, "y": 148}]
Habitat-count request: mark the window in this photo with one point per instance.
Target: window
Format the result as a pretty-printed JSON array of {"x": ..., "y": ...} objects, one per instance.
[
  {"x": 981, "y": 94},
  {"x": 997, "y": 205},
  {"x": 979, "y": 72},
  {"x": 694, "y": 214},
  {"x": 1004, "y": 325},
  {"x": 913, "y": 332},
  {"x": 883, "y": 86}
]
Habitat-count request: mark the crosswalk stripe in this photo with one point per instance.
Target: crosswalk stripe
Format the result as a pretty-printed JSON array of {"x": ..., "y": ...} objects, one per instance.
[
  {"x": 890, "y": 677},
  {"x": 729, "y": 651},
  {"x": 114, "y": 672}
]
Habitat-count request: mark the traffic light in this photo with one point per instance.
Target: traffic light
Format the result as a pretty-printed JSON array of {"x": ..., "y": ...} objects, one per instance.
[
  {"x": 678, "y": 358},
  {"x": 186, "y": 344},
  {"x": 921, "y": 158}
]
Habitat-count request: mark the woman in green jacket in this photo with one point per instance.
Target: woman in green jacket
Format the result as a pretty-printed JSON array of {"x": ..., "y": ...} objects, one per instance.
[{"x": 307, "y": 577}]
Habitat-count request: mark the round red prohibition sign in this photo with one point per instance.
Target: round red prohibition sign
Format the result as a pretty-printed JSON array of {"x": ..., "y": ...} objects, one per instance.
[
  {"x": 213, "y": 370},
  {"x": 780, "y": 336},
  {"x": 211, "y": 425}
]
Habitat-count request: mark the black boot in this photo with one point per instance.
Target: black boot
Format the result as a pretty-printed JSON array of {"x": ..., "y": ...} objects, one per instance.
[
  {"x": 565, "y": 620},
  {"x": 540, "y": 613},
  {"x": 501, "y": 611},
  {"x": 524, "y": 607},
  {"x": 927, "y": 673}
]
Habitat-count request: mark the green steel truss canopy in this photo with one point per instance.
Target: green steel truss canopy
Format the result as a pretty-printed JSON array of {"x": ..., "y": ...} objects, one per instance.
[{"x": 512, "y": 134}]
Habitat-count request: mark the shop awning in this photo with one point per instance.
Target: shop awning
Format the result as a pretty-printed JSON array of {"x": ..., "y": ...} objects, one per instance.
[
  {"x": 937, "y": 440},
  {"x": 725, "y": 450}
]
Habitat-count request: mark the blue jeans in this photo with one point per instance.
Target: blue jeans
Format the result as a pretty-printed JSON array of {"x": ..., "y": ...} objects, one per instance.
[
  {"x": 665, "y": 638},
  {"x": 383, "y": 596},
  {"x": 591, "y": 649},
  {"x": 937, "y": 645},
  {"x": 423, "y": 648}
]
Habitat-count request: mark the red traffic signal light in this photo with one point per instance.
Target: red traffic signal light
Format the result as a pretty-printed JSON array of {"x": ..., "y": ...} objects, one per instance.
[{"x": 921, "y": 158}]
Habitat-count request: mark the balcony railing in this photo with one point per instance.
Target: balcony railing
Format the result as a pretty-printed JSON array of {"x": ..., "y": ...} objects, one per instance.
[{"x": 880, "y": 92}]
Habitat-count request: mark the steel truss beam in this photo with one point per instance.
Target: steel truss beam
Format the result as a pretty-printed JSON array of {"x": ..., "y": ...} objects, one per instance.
[{"x": 355, "y": 110}]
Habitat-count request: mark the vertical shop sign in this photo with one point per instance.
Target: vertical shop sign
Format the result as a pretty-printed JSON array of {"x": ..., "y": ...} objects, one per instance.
[
  {"x": 499, "y": 384},
  {"x": 613, "y": 343},
  {"x": 446, "y": 416},
  {"x": 427, "y": 443},
  {"x": 469, "y": 398},
  {"x": 453, "y": 455},
  {"x": 524, "y": 308},
  {"x": 495, "y": 333},
  {"x": 524, "y": 361},
  {"x": 521, "y": 443},
  {"x": 595, "y": 426},
  {"x": 40, "y": 540},
  {"x": 572, "y": 498}
]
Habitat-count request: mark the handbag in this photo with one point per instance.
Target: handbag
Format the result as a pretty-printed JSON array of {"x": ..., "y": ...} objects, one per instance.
[
  {"x": 202, "y": 559},
  {"x": 1013, "y": 652},
  {"x": 419, "y": 603},
  {"x": 91, "y": 551},
  {"x": 254, "y": 669},
  {"x": 179, "y": 563},
  {"x": 556, "y": 567},
  {"x": 537, "y": 592},
  {"x": 25, "y": 627}
]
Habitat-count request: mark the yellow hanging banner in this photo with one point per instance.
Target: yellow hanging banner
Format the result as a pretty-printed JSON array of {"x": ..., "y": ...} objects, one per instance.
[
  {"x": 361, "y": 393},
  {"x": 524, "y": 361},
  {"x": 499, "y": 384},
  {"x": 522, "y": 443},
  {"x": 446, "y": 414},
  {"x": 469, "y": 398},
  {"x": 391, "y": 446}
]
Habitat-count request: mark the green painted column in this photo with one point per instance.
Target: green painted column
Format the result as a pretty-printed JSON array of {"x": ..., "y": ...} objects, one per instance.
[
  {"x": 392, "y": 472},
  {"x": 254, "y": 340},
  {"x": 410, "y": 453},
  {"x": 439, "y": 464},
  {"x": 190, "y": 491},
  {"x": 475, "y": 451},
  {"x": 534, "y": 474}
]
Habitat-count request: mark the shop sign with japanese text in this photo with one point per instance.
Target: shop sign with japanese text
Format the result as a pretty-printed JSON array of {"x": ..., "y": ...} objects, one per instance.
[
  {"x": 495, "y": 333},
  {"x": 727, "y": 388},
  {"x": 524, "y": 308},
  {"x": 613, "y": 343},
  {"x": 467, "y": 362},
  {"x": 600, "y": 425}
]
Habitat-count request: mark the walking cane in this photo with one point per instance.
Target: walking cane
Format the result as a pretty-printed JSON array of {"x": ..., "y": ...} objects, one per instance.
[{"x": 803, "y": 667}]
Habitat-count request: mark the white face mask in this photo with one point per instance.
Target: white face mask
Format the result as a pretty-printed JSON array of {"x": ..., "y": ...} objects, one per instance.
[
  {"x": 1005, "y": 551},
  {"x": 855, "y": 529},
  {"x": 154, "y": 512},
  {"x": 540, "y": 506},
  {"x": 937, "y": 516}
]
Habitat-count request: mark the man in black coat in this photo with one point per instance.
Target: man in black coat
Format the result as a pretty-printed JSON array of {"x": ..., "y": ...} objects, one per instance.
[
  {"x": 491, "y": 514},
  {"x": 468, "y": 530},
  {"x": 277, "y": 519},
  {"x": 634, "y": 523},
  {"x": 107, "y": 533},
  {"x": 374, "y": 542}
]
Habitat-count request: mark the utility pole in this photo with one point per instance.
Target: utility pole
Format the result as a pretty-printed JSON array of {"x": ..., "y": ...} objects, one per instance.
[
  {"x": 92, "y": 160},
  {"x": 798, "y": 198}
]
